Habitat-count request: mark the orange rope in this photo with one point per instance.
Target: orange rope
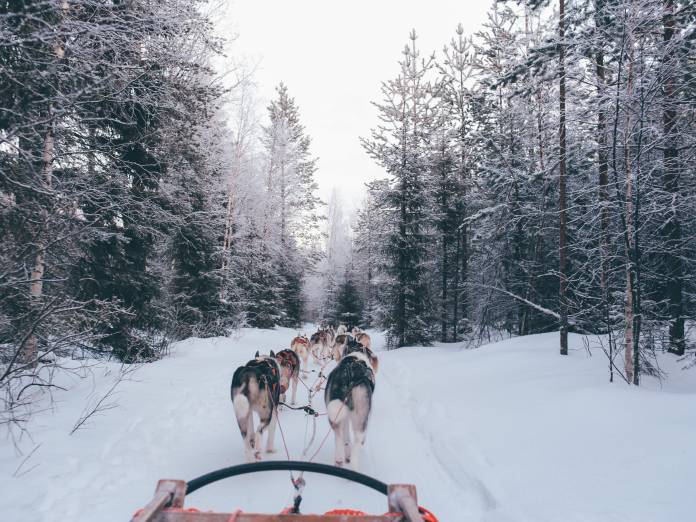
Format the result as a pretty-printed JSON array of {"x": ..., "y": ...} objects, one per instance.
[
  {"x": 354, "y": 512},
  {"x": 427, "y": 515}
]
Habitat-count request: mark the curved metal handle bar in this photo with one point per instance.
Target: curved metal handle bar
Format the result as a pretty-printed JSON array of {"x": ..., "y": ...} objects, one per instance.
[{"x": 285, "y": 465}]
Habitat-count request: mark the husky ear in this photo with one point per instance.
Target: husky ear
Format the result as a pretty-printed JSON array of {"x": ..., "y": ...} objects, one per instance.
[
  {"x": 257, "y": 354},
  {"x": 272, "y": 354}
]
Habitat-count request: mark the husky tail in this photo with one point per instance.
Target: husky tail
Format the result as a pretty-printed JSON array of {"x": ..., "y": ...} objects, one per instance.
[
  {"x": 337, "y": 411},
  {"x": 241, "y": 403}
]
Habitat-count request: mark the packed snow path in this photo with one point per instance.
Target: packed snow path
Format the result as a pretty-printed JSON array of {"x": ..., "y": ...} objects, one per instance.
[{"x": 507, "y": 432}]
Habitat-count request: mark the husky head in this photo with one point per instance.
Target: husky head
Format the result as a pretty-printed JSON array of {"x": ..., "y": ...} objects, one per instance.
[
  {"x": 356, "y": 349},
  {"x": 289, "y": 364}
]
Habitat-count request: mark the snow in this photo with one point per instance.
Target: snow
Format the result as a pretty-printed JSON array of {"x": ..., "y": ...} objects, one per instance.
[{"x": 510, "y": 431}]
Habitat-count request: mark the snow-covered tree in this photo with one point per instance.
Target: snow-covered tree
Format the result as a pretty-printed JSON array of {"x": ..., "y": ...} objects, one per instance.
[
  {"x": 400, "y": 145},
  {"x": 291, "y": 221}
]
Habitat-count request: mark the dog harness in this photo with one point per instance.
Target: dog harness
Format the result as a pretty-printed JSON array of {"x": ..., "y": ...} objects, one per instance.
[{"x": 268, "y": 370}]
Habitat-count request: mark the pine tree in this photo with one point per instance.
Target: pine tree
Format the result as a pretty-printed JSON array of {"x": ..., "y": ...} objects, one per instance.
[
  {"x": 455, "y": 158},
  {"x": 95, "y": 102},
  {"x": 142, "y": 130},
  {"x": 349, "y": 308},
  {"x": 259, "y": 294},
  {"x": 400, "y": 146},
  {"x": 368, "y": 257},
  {"x": 197, "y": 280}
]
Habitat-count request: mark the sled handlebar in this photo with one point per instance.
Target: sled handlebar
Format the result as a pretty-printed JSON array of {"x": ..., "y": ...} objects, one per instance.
[
  {"x": 286, "y": 465},
  {"x": 168, "y": 503}
]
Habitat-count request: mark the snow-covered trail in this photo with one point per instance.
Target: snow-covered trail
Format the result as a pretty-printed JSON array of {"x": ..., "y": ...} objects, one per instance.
[
  {"x": 508, "y": 432},
  {"x": 397, "y": 450},
  {"x": 176, "y": 420}
]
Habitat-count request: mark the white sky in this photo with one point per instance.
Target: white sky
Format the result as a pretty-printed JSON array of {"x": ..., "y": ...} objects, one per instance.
[{"x": 333, "y": 55}]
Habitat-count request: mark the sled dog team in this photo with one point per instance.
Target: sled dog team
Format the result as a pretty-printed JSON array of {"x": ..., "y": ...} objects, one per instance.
[{"x": 261, "y": 385}]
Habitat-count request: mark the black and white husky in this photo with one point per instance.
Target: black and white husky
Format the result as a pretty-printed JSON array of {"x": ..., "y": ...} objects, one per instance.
[
  {"x": 256, "y": 388},
  {"x": 348, "y": 398}
]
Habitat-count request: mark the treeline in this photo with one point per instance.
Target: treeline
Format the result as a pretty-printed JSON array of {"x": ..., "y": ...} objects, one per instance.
[
  {"x": 540, "y": 177},
  {"x": 123, "y": 222}
]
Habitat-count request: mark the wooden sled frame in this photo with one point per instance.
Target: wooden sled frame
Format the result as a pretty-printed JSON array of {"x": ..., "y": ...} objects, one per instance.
[{"x": 167, "y": 504}]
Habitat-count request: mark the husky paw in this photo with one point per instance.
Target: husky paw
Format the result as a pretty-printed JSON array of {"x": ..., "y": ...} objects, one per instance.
[
  {"x": 339, "y": 463},
  {"x": 271, "y": 450},
  {"x": 257, "y": 455}
]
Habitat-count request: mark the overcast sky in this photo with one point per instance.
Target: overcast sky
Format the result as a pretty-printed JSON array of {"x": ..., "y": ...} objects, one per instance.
[{"x": 333, "y": 55}]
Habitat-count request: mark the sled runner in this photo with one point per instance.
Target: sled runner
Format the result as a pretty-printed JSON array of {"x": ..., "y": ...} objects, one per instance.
[{"x": 167, "y": 504}]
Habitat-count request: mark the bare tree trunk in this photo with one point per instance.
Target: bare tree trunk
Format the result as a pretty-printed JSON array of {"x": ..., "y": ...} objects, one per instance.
[
  {"x": 464, "y": 302},
  {"x": 672, "y": 229},
  {"x": 30, "y": 350},
  {"x": 461, "y": 262},
  {"x": 630, "y": 269},
  {"x": 603, "y": 167},
  {"x": 628, "y": 337},
  {"x": 401, "y": 302},
  {"x": 455, "y": 294},
  {"x": 227, "y": 239},
  {"x": 445, "y": 232},
  {"x": 636, "y": 284},
  {"x": 562, "y": 239},
  {"x": 401, "y": 314},
  {"x": 445, "y": 270}
]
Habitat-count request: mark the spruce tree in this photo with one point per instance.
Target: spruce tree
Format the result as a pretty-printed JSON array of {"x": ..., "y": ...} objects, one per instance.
[
  {"x": 348, "y": 308},
  {"x": 257, "y": 281},
  {"x": 401, "y": 148}
]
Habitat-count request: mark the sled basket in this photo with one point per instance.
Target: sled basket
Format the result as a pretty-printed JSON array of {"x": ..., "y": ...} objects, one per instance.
[{"x": 167, "y": 505}]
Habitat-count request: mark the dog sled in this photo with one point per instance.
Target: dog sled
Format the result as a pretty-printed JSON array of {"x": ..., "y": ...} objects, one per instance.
[{"x": 167, "y": 505}]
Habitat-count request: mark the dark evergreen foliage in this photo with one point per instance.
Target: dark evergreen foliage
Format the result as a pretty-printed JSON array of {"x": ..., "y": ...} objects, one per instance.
[
  {"x": 260, "y": 289},
  {"x": 348, "y": 308}
]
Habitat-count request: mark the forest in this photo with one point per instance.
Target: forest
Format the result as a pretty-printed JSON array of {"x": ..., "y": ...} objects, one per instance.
[{"x": 538, "y": 176}]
